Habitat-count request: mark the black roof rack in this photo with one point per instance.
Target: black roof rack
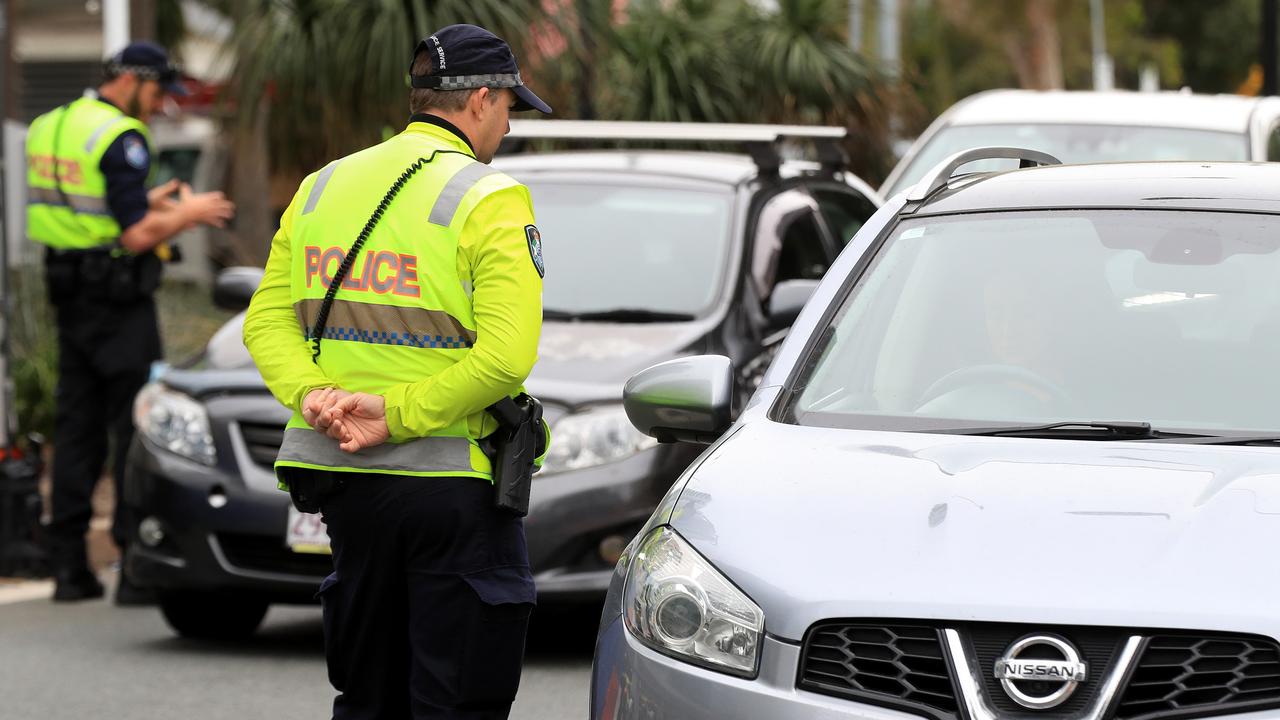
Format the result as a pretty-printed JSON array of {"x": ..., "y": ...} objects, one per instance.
[{"x": 760, "y": 141}]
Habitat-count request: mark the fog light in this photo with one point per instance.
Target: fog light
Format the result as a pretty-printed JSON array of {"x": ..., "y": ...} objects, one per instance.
[
  {"x": 611, "y": 549},
  {"x": 151, "y": 532},
  {"x": 217, "y": 497}
]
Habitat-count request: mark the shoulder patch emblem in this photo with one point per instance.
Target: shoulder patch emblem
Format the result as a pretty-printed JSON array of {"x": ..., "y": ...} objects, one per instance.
[
  {"x": 135, "y": 153},
  {"x": 535, "y": 249}
]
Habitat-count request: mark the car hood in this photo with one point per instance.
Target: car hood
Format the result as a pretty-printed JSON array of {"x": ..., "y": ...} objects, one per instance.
[
  {"x": 581, "y": 362},
  {"x": 839, "y": 523},
  {"x": 206, "y": 382},
  {"x": 578, "y": 362}
]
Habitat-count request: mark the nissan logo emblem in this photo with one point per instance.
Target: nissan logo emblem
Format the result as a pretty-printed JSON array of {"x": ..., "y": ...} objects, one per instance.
[{"x": 1041, "y": 671}]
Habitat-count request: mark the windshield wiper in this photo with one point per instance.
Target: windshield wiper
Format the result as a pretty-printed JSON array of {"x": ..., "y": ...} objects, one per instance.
[
  {"x": 1075, "y": 430},
  {"x": 624, "y": 315},
  {"x": 1228, "y": 440}
]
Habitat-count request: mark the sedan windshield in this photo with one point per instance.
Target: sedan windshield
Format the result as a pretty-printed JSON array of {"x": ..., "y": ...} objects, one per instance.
[
  {"x": 630, "y": 253},
  {"x": 1030, "y": 318},
  {"x": 1074, "y": 144}
]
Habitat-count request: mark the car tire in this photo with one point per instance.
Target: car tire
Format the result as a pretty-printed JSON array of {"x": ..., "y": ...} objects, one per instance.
[{"x": 212, "y": 616}]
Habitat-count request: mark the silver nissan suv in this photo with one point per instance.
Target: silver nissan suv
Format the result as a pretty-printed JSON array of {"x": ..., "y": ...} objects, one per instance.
[{"x": 1018, "y": 459}]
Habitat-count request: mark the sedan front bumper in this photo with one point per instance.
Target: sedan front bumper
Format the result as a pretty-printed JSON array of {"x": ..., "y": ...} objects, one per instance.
[
  {"x": 631, "y": 681},
  {"x": 573, "y": 514},
  {"x": 221, "y": 531}
]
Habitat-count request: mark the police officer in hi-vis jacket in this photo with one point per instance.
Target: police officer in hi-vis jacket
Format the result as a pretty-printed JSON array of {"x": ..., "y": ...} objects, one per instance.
[
  {"x": 403, "y": 297},
  {"x": 88, "y": 167}
]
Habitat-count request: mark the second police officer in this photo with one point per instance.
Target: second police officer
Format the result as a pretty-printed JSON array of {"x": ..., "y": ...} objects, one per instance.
[
  {"x": 88, "y": 166},
  {"x": 402, "y": 298}
]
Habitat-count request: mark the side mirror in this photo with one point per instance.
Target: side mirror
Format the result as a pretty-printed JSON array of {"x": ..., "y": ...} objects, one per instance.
[
  {"x": 687, "y": 399},
  {"x": 787, "y": 300},
  {"x": 235, "y": 286}
]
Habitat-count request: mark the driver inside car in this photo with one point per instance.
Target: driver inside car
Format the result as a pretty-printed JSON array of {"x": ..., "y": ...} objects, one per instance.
[{"x": 1022, "y": 378}]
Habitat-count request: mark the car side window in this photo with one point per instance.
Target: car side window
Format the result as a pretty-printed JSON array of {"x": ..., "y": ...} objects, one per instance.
[
  {"x": 789, "y": 242},
  {"x": 1273, "y": 143},
  {"x": 844, "y": 212},
  {"x": 803, "y": 255}
]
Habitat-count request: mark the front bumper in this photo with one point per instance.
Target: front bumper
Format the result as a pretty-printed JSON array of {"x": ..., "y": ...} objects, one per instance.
[
  {"x": 631, "y": 681},
  {"x": 572, "y": 513},
  {"x": 225, "y": 525},
  {"x": 223, "y": 531}
]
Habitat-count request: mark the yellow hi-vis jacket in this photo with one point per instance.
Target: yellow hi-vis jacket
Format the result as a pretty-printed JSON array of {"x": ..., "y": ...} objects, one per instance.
[
  {"x": 64, "y": 149},
  {"x": 440, "y": 312}
]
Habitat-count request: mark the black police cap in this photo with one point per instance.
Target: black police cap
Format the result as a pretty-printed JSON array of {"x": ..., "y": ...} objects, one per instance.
[
  {"x": 149, "y": 62},
  {"x": 465, "y": 57}
]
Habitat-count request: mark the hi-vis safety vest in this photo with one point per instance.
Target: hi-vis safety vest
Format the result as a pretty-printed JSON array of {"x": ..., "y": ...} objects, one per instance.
[
  {"x": 404, "y": 311},
  {"x": 64, "y": 149}
]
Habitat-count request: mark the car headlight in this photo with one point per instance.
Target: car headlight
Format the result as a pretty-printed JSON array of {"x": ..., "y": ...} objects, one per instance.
[
  {"x": 595, "y": 436},
  {"x": 174, "y": 421},
  {"x": 678, "y": 604}
]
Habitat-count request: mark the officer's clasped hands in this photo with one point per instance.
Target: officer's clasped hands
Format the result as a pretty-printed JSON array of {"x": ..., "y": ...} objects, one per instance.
[
  {"x": 359, "y": 421},
  {"x": 355, "y": 420},
  {"x": 317, "y": 402}
]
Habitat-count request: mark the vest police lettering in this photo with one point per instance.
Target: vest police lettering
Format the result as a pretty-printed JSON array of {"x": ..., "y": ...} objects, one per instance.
[
  {"x": 66, "y": 189},
  {"x": 403, "y": 312}
]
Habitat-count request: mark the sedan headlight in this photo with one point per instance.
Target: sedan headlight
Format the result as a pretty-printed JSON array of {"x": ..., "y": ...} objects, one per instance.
[
  {"x": 678, "y": 604},
  {"x": 593, "y": 437},
  {"x": 174, "y": 421}
]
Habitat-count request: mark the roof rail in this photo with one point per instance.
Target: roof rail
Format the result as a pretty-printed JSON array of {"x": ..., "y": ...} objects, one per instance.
[
  {"x": 942, "y": 173},
  {"x": 760, "y": 141}
]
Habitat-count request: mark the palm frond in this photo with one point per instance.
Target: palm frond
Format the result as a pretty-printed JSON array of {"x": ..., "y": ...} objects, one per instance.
[{"x": 334, "y": 71}]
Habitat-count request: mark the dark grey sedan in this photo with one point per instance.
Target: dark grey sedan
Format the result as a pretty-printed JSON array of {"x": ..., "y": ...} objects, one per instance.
[{"x": 650, "y": 256}]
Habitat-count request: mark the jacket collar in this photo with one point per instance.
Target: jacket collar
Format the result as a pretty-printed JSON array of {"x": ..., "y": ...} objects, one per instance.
[{"x": 441, "y": 129}]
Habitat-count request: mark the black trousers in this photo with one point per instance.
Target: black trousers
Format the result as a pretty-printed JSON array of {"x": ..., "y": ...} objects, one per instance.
[
  {"x": 426, "y": 612},
  {"x": 104, "y": 357}
]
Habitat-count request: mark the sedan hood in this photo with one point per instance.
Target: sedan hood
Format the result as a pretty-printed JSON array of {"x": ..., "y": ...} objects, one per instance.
[
  {"x": 578, "y": 362},
  {"x": 838, "y": 523},
  {"x": 581, "y": 362}
]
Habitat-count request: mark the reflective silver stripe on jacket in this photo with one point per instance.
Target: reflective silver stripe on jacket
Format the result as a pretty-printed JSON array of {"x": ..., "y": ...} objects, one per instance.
[
  {"x": 431, "y": 454},
  {"x": 80, "y": 203},
  {"x": 451, "y": 196},
  {"x": 385, "y": 324},
  {"x": 97, "y": 134},
  {"x": 318, "y": 189}
]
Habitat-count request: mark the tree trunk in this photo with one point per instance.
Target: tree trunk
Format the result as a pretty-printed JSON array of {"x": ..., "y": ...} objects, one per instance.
[
  {"x": 250, "y": 240},
  {"x": 1035, "y": 51}
]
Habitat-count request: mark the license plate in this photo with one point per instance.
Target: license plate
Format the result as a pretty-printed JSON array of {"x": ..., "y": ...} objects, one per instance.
[{"x": 306, "y": 533}]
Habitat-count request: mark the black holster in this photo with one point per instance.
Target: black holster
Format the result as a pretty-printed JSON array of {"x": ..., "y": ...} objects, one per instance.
[
  {"x": 520, "y": 438},
  {"x": 101, "y": 275}
]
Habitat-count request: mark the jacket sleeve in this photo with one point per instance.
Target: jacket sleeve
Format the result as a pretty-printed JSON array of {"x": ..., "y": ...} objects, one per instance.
[
  {"x": 271, "y": 331},
  {"x": 507, "y": 303}
]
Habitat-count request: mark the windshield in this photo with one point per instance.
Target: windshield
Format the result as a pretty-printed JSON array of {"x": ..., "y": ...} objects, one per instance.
[
  {"x": 631, "y": 247},
  {"x": 1074, "y": 144},
  {"x": 1171, "y": 318}
]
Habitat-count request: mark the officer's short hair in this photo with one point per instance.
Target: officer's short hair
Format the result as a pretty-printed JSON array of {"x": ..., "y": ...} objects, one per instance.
[{"x": 426, "y": 100}]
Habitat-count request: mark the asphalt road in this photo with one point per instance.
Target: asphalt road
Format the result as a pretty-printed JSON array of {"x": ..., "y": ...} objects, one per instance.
[{"x": 94, "y": 660}]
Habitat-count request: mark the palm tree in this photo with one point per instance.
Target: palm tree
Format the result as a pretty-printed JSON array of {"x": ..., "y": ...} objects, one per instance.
[
  {"x": 804, "y": 65},
  {"x": 335, "y": 71},
  {"x": 808, "y": 73},
  {"x": 317, "y": 79},
  {"x": 732, "y": 61},
  {"x": 678, "y": 61}
]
